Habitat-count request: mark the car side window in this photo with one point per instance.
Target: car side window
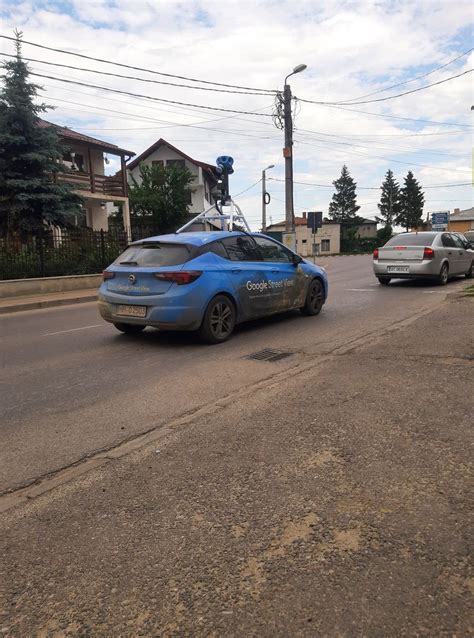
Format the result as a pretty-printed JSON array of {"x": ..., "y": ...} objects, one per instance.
[
  {"x": 271, "y": 251},
  {"x": 241, "y": 248},
  {"x": 217, "y": 248},
  {"x": 458, "y": 241},
  {"x": 448, "y": 241}
]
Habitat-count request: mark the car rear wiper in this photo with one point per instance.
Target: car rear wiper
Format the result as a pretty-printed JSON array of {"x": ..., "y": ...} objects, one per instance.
[{"x": 129, "y": 263}]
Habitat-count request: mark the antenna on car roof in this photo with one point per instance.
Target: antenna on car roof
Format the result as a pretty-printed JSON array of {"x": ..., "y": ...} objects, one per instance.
[{"x": 224, "y": 167}]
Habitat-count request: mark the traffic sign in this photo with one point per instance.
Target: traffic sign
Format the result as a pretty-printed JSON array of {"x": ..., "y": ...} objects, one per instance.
[
  {"x": 314, "y": 220},
  {"x": 440, "y": 220}
]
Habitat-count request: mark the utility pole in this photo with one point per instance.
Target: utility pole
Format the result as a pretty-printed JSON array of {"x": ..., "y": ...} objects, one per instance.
[
  {"x": 264, "y": 198},
  {"x": 288, "y": 152},
  {"x": 288, "y": 155}
]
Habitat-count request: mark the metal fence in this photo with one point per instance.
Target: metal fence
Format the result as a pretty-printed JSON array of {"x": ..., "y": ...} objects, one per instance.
[{"x": 57, "y": 252}]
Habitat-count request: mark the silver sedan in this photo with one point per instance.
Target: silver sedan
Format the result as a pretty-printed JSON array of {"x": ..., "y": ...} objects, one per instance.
[{"x": 428, "y": 255}]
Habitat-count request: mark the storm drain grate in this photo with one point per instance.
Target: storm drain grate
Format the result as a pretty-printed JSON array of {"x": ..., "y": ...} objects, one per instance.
[{"x": 268, "y": 355}]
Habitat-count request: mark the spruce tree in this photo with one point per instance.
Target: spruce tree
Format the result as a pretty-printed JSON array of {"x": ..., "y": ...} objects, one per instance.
[
  {"x": 412, "y": 200},
  {"x": 343, "y": 207},
  {"x": 30, "y": 156},
  {"x": 389, "y": 201}
]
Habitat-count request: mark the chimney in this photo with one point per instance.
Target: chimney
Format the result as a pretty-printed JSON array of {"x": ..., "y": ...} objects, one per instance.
[
  {"x": 456, "y": 211},
  {"x": 304, "y": 215}
]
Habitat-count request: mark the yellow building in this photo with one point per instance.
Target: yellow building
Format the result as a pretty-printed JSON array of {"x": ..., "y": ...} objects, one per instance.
[
  {"x": 460, "y": 221},
  {"x": 326, "y": 241}
]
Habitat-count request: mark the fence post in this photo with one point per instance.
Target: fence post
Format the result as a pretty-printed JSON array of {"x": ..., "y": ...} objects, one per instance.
[
  {"x": 41, "y": 252},
  {"x": 102, "y": 249}
]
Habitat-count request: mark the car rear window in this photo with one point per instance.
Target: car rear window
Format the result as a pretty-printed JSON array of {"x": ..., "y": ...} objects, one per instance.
[
  {"x": 412, "y": 239},
  {"x": 156, "y": 254}
]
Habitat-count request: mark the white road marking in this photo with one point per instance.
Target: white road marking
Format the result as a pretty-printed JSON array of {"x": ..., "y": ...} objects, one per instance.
[
  {"x": 50, "y": 334},
  {"x": 360, "y": 289}
]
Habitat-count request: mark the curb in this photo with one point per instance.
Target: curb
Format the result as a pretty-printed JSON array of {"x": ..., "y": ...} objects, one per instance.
[{"x": 47, "y": 303}]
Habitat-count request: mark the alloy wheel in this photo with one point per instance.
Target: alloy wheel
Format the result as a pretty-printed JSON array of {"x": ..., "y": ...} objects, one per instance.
[{"x": 221, "y": 320}]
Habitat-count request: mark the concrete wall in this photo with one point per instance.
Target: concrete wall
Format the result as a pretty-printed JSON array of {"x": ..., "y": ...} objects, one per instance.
[
  {"x": 461, "y": 226},
  {"x": 21, "y": 287},
  {"x": 305, "y": 238}
]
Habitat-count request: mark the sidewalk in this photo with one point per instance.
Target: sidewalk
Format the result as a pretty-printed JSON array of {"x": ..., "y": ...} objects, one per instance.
[
  {"x": 334, "y": 502},
  {"x": 46, "y": 300}
]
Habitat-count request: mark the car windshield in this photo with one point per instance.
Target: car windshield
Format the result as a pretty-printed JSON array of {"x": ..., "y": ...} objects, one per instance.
[
  {"x": 412, "y": 239},
  {"x": 154, "y": 254}
]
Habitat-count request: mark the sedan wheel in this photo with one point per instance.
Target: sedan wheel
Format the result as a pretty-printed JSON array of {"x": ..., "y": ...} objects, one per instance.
[
  {"x": 470, "y": 273},
  {"x": 384, "y": 280},
  {"x": 219, "y": 320},
  {"x": 443, "y": 275},
  {"x": 314, "y": 299}
]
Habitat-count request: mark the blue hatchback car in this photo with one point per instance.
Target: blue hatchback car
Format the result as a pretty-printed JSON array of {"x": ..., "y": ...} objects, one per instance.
[{"x": 208, "y": 282}]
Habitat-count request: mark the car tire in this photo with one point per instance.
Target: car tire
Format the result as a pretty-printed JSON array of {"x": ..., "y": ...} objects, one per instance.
[
  {"x": 219, "y": 320},
  {"x": 384, "y": 280},
  {"x": 129, "y": 328},
  {"x": 470, "y": 273},
  {"x": 314, "y": 299},
  {"x": 443, "y": 275}
]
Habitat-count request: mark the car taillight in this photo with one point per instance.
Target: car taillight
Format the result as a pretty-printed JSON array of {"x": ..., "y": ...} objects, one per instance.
[
  {"x": 107, "y": 274},
  {"x": 180, "y": 277},
  {"x": 376, "y": 253},
  {"x": 428, "y": 253}
]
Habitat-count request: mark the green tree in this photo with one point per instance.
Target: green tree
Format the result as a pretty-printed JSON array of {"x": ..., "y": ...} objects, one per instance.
[
  {"x": 389, "y": 201},
  {"x": 161, "y": 196},
  {"x": 412, "y": 201},
  {"x": 343, "y": 207},
  {"x": 30, "y": 156}
]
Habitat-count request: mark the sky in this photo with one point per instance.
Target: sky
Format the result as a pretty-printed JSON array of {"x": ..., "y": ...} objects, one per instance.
[{"x": 351, "y": 49}]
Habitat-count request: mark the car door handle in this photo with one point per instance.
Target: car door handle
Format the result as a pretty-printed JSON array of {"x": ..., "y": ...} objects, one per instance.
[
  {"x": 275, "y": 271},
  {"x": 449, "y": 252},
  {"x": 236, "y": 270}
]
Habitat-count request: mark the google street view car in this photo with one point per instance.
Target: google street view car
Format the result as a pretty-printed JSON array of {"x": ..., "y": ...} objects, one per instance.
[{"x": 208, "y": 281}]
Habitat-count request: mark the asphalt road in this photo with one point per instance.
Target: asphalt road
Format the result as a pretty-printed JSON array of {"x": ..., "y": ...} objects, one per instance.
[{"x": 72, "y": 385}]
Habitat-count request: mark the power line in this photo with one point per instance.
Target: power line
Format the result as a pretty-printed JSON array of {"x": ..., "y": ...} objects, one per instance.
[
  {"x": 247, "y": 189},
  {"x": 148, "y": 97},
  {"x": 419, "y": 77},
  {"x": 136, "y": 68},
  {"x": 392, "y": 117},
  {"x": 131, "y": 77},
  {"x": 387, "y": 159},
  {"x": 451, "y": 185}
]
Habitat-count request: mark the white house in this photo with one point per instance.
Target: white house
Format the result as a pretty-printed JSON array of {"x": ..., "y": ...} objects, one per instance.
[{"x": 205, "y": 175}]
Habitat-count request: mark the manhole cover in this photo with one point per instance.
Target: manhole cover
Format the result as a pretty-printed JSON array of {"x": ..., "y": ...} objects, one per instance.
[{"x": 268, "y": 355}]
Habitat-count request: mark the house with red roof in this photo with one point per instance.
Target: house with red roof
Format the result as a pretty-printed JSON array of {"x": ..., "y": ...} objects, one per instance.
[
  {"x": 86, "y": 157},
  {"x": 326, "y": 240}
]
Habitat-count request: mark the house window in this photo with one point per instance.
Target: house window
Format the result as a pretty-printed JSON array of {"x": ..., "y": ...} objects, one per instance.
[
  {"x": 78, "y": 163},
  {"x": 189, "y": 197},
  {"x": 176, "y": 162},
  {"x": 325, "y": 245},
  {"x": 304, "y": 241},
  {"x": 157, "y": 163}
]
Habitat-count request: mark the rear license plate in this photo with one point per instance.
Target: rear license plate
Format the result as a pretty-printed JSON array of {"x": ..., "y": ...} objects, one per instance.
[
  {"x": 131, "y": 311},
  {"x": 398, "y": 269}
]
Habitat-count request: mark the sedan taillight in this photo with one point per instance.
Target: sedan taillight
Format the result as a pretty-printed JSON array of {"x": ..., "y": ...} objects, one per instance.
[
  {"x": 376, "y": 253},
  {"x": 428, "y": 253},
  {"x": 180, "y": 277}
]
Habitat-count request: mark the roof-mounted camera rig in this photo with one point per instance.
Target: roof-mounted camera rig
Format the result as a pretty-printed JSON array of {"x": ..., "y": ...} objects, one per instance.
[{"x": 224, "y": 165}]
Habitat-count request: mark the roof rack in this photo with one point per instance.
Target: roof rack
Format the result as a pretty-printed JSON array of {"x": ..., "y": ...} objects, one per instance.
[{"x": 224, "y": 168}]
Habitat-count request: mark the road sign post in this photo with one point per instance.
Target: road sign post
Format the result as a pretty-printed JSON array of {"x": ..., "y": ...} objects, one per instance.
[{"x": 440, "y": 220}]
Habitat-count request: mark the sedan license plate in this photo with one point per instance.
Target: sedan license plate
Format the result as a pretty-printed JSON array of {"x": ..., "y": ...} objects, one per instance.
[
  {"x": 398, "y": 269},
  {"x": 131, "y": 311}
]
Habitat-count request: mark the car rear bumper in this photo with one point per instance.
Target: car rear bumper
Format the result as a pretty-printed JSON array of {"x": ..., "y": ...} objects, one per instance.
[
  {"x": 426, "y": 268},
  {"x": 167, "y": 313}
]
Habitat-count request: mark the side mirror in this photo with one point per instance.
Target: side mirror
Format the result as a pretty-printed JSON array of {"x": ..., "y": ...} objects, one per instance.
[{"x": 296, "y": 259}]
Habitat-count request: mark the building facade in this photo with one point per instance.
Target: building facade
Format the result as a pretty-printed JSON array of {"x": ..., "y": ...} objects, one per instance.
[
  {"x": 85, "y": 157},
  {"x": 326, "y": 241},
  {"x": 461, "y": 221},
  {"x": 205, "y": 176}
]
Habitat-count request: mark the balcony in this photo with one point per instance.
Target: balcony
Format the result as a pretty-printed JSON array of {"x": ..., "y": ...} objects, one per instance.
[{"x": 106, "y": 185}]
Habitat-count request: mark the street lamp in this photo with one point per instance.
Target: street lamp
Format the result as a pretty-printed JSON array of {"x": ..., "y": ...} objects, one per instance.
[
  {"x": 264, "y": 198},
  {"x": 288, "y": 151}
]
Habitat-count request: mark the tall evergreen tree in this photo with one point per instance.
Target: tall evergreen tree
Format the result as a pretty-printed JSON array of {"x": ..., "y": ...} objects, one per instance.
[
  {"x": 29, "y": 157},
  {"x": 389, "y": 200},
  {"x": 412, "y": 201},
  {"x": 343, "y": 207}
]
